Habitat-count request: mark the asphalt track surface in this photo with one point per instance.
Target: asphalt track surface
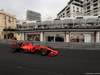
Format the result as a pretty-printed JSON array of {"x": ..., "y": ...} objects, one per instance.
[{"x": 67, "y": 62}]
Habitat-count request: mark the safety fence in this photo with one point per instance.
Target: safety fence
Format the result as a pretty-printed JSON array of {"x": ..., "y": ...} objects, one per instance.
[{"x": 61, "y": 45}]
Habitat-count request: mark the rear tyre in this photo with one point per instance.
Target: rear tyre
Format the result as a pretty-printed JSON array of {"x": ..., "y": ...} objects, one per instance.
[{"x": 44, "y": 52}]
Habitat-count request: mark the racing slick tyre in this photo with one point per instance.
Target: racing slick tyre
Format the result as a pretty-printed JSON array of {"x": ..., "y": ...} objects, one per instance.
[
  {"x": 15, "y": 49},
  {"x": 44, "y": 52}
]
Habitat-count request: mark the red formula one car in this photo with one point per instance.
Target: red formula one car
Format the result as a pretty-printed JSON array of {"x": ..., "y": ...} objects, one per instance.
[{"x": 30, "y": 47}]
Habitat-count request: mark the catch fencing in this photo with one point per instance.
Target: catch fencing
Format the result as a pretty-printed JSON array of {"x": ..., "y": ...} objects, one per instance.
[{"x": 60, "y": 45}]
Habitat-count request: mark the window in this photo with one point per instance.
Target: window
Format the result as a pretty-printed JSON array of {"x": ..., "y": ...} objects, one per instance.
[
  {"x": 55, "y": 37},
  {"x": 76, "y": 38},
  {"x": 88, "y": 3},
  {"x": 68, "y": 12},
  {"x": 80, "y": 37},
  {"x": 77, "y": 8},
  {"x": 77, "y": 5},
  {"x": 12, "y": 20},
  {"x": 95, "y": 14},
  {"x": 88, "y": 7},
  {"x": 5, "y": 18},
  {"x": 67, "y": 9},
  {"x": 5, "y": 22},
  {"x": 33, "y": 37},
  {"x": 87, "y": 0},
  {"x": 18, "y": 33},
  {"x": 96, "y": 4},
  {"x": 9, "y": 19},
  {"x": 88, "y": 11},
  {"x": 95, "y": 0},
  {"x": 73, "y": 7},
  {"x": 95, "y": 8},
  {"x": 95, "y": 11}
]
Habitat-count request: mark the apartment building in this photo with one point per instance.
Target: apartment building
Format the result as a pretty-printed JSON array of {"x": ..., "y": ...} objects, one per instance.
[
  {"x": 32, "y": 15},
  {"x": 80, "y": 8},
  {"x": 7, "y": 21},
  {"x": 74, "y": 8},
  {"x": 91, "y": 7}
]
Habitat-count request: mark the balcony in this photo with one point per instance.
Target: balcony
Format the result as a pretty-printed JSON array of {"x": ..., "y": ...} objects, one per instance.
[
  {"x": 68, "y": 9},
  {"x": 95, "y": 5},
  {"x": 88, "y": 7},
  {"x": 88, "y": 10},
  {"x": 67, "y": 12},
  {"x": 95, "y": 1},
  {"x": 88, "y": 3},
  {"x": 78, "y": 1},
  {"x": 78, "y": 4},
  {"x": 95, "y": 8},
  {"x": 9, "y": 21}
]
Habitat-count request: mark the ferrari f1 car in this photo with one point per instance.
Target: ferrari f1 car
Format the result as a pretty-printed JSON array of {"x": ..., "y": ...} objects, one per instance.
[{"x": 32, "y": 48}]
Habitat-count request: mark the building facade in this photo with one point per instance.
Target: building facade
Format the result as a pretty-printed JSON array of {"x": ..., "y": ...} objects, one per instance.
[
  {"x": 74, "y": 8},
  {"x": 17, "y": 21},
  {"x": 73, "y": 29},
  {"x": 69, "y": 35},
  {"x": 7, "y": 21},
  {"x": 31, "y": 15},
  {"x": 80, "y": 8},
  {"x": 91, "y": 7}
]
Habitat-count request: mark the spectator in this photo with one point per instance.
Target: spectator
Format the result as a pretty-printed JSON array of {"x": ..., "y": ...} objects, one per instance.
[
  {"x": 15, "y": 38},
  {"x": 12, "y": 38}
]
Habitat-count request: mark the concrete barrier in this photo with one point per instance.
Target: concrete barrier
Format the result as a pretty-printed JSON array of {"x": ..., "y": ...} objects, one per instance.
[{"x": 64, "y": 45}]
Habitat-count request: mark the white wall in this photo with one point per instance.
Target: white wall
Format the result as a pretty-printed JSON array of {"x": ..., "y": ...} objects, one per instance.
[
  {"x": 22, "y": 36},
  {"x": 67, "y": 37},
  {"x": 97, "y": 37},
  {"x": 41, "y": 36}
]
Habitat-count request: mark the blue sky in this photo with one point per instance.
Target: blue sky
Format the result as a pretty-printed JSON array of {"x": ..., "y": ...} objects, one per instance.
[{"x": 47, "y": 8}]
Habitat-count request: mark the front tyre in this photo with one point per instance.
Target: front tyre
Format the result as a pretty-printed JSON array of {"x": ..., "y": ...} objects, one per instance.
[
  {"x": 44, "y": 52},
  {"x": 14, "y": 50}
]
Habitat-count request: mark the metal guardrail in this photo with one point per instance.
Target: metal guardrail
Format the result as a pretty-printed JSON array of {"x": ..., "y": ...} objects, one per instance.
[{"x": 61, "y": 45}]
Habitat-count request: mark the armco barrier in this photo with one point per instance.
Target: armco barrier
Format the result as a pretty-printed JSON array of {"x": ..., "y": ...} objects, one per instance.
[{"x": 61, "y": 45}]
